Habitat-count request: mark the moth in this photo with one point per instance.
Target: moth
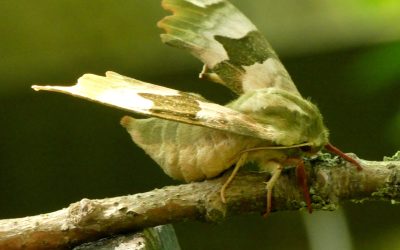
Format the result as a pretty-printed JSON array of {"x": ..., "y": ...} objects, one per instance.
[{"x": 193, "y": 139}]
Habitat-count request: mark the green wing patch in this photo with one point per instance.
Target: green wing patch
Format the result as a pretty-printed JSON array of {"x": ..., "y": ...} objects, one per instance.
[{"x": 233, "y": 50}]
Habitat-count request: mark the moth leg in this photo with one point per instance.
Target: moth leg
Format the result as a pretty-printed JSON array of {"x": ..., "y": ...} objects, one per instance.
[
  {"x": 302, "y": 180},
  {"x": 238, "y": 164},
  {"x": 338, "y": 152},
  {"x": 270, "y": 184}
]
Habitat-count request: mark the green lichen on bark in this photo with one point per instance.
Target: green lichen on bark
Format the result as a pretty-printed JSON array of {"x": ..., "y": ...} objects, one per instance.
[
  {"x": 395, "y": 157},
  {"x": 391, "y": 189}
]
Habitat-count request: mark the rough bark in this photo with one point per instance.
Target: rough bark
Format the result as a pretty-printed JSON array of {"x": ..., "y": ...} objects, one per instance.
[{"x": 331, "y": 180}]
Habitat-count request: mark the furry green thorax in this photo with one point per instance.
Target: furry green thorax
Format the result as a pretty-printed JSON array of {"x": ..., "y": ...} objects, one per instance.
[{"x": 296, "y": 119}]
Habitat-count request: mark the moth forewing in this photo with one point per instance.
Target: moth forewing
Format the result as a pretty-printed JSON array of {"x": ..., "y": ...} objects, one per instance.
[
  {"x": 234, "y": 52},
  {"x": 157, "y": 101}
]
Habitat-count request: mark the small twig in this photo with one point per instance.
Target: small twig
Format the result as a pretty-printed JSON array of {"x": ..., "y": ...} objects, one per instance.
[{"x": 330, "y": 180}]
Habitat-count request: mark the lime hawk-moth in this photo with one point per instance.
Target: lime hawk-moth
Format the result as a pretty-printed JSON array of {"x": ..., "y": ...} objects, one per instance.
[{"x": 193, "y": 139}]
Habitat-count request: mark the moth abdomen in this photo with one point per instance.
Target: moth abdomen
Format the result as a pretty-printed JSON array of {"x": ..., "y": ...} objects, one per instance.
[{"x": 186, "y": 152}]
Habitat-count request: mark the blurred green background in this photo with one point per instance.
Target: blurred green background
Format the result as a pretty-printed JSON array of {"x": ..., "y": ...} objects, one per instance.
[{"x": 55, "y": 149}]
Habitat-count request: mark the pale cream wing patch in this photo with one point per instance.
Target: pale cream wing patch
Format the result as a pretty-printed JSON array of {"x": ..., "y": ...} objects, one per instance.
[
  {"x": 157, "y": 101},
  {"x": 234, "y": 52}
]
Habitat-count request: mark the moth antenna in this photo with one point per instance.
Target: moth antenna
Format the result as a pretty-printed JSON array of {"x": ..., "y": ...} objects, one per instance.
[
  {"x": 276, "y": 147},
  {"x": 338, "y": 152}
]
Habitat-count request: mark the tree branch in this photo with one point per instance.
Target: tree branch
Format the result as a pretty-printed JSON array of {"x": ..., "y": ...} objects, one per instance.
[{"x": 331, "y": 180}]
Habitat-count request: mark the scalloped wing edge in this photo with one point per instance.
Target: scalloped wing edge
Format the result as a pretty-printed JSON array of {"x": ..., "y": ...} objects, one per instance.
[{"x": 234, "y": 52}]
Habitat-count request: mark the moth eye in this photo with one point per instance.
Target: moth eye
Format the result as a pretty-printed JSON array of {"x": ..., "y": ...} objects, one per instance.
[{"x": 306, "y": 148}]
